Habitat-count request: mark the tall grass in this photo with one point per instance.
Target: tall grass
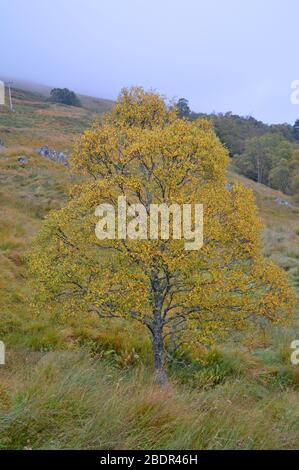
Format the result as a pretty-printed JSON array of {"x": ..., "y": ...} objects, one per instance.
[{"x": 70, "y": 400}]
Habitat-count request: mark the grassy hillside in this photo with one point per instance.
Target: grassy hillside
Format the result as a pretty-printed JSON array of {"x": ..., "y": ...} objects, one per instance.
[
  {"x": 35, "y": 122},
  {"x": 281, "y": 223},
  {"x": 83, "y": 384}
]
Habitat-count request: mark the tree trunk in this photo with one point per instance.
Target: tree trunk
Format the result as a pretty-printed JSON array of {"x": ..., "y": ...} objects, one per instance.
[
  {"x": 157, "y": 331},
  {"x": 259, "y": 171},
  {"x": 159, "y": 357}
]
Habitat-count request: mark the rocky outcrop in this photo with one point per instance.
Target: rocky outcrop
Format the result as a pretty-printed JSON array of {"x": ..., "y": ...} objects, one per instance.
[
  {"x": 282, "y": 202},
  {"x": 51, "y": 154},
  {"x": 23, "y": 160}
]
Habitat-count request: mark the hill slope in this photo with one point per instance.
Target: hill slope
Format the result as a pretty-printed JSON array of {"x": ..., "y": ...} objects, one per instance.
[{"x": 35, "y": 121}]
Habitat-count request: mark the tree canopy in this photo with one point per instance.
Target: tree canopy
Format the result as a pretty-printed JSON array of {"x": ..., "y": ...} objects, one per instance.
[
  {"x": 267, "y": 160},
  {"x": 183, "y": 107},
  {"x": 64, "y": 96}
]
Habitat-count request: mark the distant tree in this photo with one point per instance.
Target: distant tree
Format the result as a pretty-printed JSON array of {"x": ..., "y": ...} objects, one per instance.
[
  {"x": 280, "y": 176},
  {"x": 294, "y": 180},
  {"x": 64, "y": 96},
  {"x": 285, "y": 130},
  {"x": 234, "y": 130},
  {"x": 183, "y": 107},
  {"x": 262, "y": 155},
  {"x": 296, "y": 129}
]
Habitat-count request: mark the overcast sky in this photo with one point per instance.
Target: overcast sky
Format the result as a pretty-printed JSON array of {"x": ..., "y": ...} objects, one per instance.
[{"x": 232, "y": 55}]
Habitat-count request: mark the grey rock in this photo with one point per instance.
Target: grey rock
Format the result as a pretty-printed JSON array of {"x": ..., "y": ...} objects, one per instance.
[
  {"x": 282, "y": 202},
  {"x": 23, "y": 160},
  {"x": 51, "y": 154},
  {"x": 44, "y": 151}
]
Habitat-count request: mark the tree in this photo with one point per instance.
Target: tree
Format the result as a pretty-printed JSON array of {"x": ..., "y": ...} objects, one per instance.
[
  {"x": 294, "y": 179},
  {"x": 262, "y": 155},
  {"x": 296, "y": 129},
  {"x": 183, "y": 107},
  {"x": 285, "y": 130},
  {"x": 64, "y": 96},
  {"x": 280, "y": 176},
  {"x": 143, "y": 152},
  {"x": 234, "y": 130}
]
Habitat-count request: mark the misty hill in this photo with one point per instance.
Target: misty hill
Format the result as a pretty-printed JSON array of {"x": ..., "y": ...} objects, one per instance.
[{"x": 98, "y": 105}]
